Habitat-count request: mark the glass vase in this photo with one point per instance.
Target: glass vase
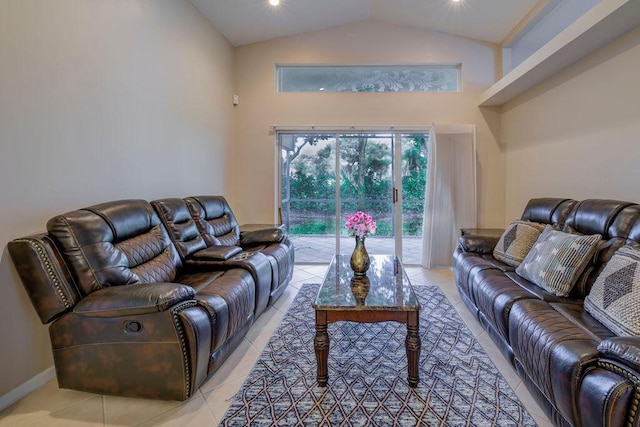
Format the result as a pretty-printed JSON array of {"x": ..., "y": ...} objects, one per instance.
[{"x": 360, "y": 258}]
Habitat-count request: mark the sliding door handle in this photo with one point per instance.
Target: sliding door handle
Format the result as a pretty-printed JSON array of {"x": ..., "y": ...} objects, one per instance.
[{"x": 395, "y": 195}]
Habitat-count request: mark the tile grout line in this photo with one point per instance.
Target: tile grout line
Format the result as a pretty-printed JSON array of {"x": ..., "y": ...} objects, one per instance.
[
  {"x": 206, "y": 402},
  {"x": 104, "y": 410}
]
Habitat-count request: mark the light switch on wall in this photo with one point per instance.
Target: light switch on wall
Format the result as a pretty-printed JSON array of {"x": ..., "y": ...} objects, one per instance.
[{"x": 235, "y": 99}]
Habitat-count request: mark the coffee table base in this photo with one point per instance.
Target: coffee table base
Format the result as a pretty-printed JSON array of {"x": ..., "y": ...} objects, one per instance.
[{"x": 412, "y": 342}]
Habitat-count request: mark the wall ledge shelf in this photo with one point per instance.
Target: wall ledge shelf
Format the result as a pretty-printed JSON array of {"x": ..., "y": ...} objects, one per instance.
[{"x": 604, "y": 23}]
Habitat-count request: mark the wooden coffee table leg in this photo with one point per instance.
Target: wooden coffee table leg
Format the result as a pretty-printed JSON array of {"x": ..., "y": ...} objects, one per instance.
[
  {"x": 412, "y": 344},
  {"x": 321, "y": 344}
]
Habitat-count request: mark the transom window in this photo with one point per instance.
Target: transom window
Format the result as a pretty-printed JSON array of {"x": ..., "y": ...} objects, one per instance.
[{"x": 368, "y": 78}]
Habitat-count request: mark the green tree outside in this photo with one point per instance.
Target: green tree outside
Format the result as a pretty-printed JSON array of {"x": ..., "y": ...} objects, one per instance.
[{"x": 366, "y": 182}]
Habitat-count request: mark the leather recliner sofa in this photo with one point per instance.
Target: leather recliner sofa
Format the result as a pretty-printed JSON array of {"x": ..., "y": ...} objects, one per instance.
[
  {"x": 138, "y": 309},
  {"x": 206, "y": 234},
  {"x": 578, "y": 370}
]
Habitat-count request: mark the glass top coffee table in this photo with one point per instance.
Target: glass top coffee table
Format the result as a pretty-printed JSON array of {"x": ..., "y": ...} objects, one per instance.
[{"x": 384, "y": 294}]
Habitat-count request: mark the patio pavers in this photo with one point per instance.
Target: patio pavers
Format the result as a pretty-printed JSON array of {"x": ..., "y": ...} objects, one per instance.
[{"x": 320, "y": 249}]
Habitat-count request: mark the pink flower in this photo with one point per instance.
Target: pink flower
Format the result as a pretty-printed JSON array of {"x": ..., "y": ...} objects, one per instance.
[{"x": 360, "y": 224}]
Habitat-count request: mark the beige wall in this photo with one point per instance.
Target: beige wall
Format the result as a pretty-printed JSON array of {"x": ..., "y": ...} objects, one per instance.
[
  {"x": 577, "y": 135},
  {"x": 362, "y": 42},
  {"x": 101, "y": 100}
]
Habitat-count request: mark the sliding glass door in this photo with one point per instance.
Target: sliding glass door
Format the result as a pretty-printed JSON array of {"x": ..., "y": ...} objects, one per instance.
[
  {"x": 366, "y": 184},
  {"x": 412, "y": 171},
  {"x": 308, "y": 184},
  {"x": 325, "y": 176}
]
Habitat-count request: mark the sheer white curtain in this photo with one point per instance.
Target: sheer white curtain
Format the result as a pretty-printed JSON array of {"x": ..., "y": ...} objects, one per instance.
[{"x": 450, "y": 202}]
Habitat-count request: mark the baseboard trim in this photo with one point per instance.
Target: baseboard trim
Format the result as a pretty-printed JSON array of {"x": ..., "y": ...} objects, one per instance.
[{"x": 26, "y": 387}]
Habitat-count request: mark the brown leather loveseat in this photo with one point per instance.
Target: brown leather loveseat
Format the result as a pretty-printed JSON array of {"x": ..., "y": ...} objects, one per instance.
[
  {"x": 149, "y": 305},
  {"x": 580, "y": 372}
]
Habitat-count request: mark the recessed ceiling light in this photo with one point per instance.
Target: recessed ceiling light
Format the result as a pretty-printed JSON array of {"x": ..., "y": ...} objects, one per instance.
[{"x": 274, "y": 2}]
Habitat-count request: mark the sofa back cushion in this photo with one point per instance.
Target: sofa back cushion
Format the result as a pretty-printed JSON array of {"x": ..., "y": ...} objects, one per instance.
[
  {"x": 548, "y": 210},
  {"x": 612, "y": 219},
  {"x": 633, "y": 239},
  {"x": 175, "y": 215},
  {"x": 115, "y": 243},
  {"x": 598, "y": 216},
  {"x": 214, "y": 219}
]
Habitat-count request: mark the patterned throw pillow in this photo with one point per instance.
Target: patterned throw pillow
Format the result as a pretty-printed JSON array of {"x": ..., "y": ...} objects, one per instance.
[
  {"x": 556, "y": 260},
  {"x": 614, "y": 299},
  {"x": 516, "y": 242}
]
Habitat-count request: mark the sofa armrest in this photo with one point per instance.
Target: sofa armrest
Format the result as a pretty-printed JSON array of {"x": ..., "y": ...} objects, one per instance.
[
  {"x": 478, "y": 243},
  {"x": 488, "y": 232},
  {"x": 216, "y": 253},
  {"x": 624, "y": 350},
  {"x": 252, "y": 234},
  {"x": 128, "y": 300},
  {"x": 608, "y": 391},
  {"x": 44, "y": 275}
]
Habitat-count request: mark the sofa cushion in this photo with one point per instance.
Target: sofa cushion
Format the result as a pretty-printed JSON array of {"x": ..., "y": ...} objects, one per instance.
[
  {"x": 557, "y": 259},
  {"x": 615, "y": 296},
  {"x": 493, "y": 293},
  {"x": 516, "y": 242},
  {"x": 143, "y": 298},
  {"x": 237, "y": 289},
  {"x": 115, "y": 243},
  {"x": 553, "y": 351},
  {"x": 466, "y": 264},
  {"x": 214, "y": 219},
  {"x": 548, "y": 210},
  {"x": 271, "y": 234},
  {"x": 539, "y": 292},
  {"x": 176, "y": 217},
  {"x": 229, "y": 298},
  {"x": 217, "y": 253},
  {"x": 280, "y": 255}
]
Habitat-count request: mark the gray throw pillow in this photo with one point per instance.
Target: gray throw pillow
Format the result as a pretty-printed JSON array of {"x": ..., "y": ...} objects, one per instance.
[
  {"x": 516, "y": 242},
  {"x": 614, "y": 299},
  {"x": 556, "y": 260}
]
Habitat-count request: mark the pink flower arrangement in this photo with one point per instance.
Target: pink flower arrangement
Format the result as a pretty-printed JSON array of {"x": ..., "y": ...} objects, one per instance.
[{"x": 360, "y": 225}]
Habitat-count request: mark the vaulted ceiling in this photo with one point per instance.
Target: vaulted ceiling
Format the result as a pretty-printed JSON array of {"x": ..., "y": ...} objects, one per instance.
[{"x": 248, "y": 21}]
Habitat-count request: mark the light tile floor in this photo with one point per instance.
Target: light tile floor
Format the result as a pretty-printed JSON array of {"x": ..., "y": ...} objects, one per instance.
[{"x": 50, "y": 406}]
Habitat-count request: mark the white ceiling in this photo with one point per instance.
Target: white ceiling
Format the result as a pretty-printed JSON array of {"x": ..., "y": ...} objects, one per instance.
[{"x": 249, "y": 21}]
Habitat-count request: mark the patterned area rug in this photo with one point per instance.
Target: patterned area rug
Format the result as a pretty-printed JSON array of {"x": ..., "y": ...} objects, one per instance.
[{"x": 459, "y": 385}]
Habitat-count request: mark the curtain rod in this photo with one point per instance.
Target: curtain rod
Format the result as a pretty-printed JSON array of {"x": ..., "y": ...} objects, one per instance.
[
  {"x": 441, "y": 128},
  {"x": 349, "y": 127}
]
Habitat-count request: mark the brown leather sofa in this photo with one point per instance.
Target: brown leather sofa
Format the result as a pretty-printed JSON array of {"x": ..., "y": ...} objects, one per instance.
[
  {"x": 579, "y": 371},
  {"x": 143, "y": 306},
  {"x": 206, "y": 233}
]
